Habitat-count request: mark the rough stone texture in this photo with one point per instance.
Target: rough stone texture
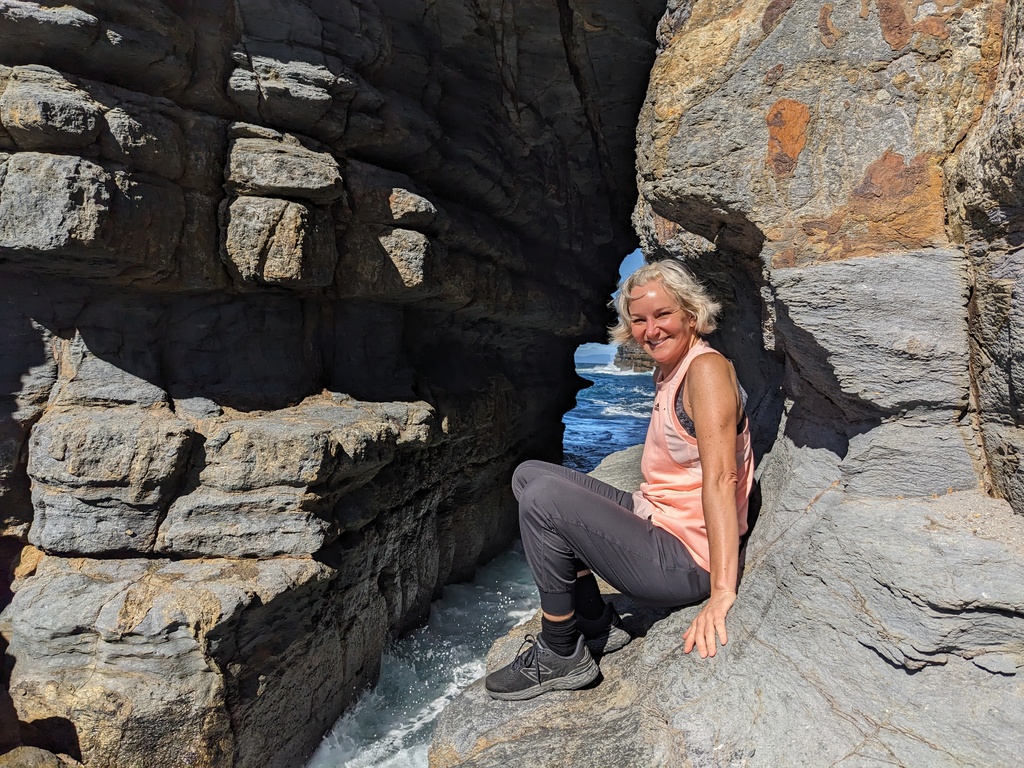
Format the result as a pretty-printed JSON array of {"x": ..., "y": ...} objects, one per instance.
[
  {"x": 847, "y": 179},
  {"x": 185, "y": 631},
  {"x": 102, "y": 478},
  {"x": 856, "y": 620},
  {"x": 630, "y": 357},
  {"x": 290, "y": 287},
  {"x": 985, "y": 197}
]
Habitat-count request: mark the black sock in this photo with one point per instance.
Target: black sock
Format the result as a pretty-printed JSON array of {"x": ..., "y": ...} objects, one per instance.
[
  {"x": 560, "y": 636},
  {"x": 587, "y": 597}
]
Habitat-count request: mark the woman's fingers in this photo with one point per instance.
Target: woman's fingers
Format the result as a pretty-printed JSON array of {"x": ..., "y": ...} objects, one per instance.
[{"x": 707, "y": 629}]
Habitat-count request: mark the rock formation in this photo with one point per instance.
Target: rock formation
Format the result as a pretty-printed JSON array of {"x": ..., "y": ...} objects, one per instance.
[
  {"x": 629, "y": 357},
  {"x": 848, "y": 178},
  {"x": 289, "y": 288}
]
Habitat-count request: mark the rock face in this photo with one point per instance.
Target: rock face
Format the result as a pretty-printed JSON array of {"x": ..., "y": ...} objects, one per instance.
[
  {"x": 848, "y": 179},
  {"x": 290, "y": 287},
  {"x": 629, "y": 357},
  {"x": 867, "y": 631}
]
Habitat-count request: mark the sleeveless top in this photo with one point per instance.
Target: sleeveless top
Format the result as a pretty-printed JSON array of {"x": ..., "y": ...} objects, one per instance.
[{"x": 670, "y": 495}]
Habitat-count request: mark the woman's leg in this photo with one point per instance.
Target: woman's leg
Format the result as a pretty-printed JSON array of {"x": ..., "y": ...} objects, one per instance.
[
  {"x": 587, "y": 598},
  {"x": 531, "y": 470},
  {"x": 564, "y": 523}
]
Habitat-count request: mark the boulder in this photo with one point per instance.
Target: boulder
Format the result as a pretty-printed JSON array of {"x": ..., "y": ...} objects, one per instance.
[
  {"x": 156, "y": 662},
  {"x": 41, "y": 110},
  {"x": 102, "y": 478},
  {"x": 282, "y": 169},
  {"x": 67, "y": 216},
  {"x": 278, "y": 242}
]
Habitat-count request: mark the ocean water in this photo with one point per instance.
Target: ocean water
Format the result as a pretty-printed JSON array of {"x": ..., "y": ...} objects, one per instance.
[
  {"x": 391, "y": 726},
  {"x": 609, "y": 416}
]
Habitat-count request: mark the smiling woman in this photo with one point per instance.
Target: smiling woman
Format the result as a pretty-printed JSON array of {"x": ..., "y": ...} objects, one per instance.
[{"x": 676, "y": 541}]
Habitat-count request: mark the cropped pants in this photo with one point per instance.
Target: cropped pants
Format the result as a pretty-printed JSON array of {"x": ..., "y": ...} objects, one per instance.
[{"x": 570, "y": 522}]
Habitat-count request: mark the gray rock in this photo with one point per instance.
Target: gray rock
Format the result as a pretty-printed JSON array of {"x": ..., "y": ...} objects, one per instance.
[
  {"x": 400, "y": 265},
  {"x": 141, "y": 45},
  {"x": 68, "y": 216},
  {"x": 895, "y": 342},
  {"x": 41, "y": 110},
  {"x": 276, "y": 168},
  {"x": 986, "y": 194},
  {"x": 33, "y": 757},
  {"x": 168, "y": 660},
  {"x": 621, "y": 469},
  {"x": 854, "y": 620},
  {"x": 286, "y": 86},
  {"x": 385, "y": 197},
  {"x": 117, "y": 370},
  {"x": 102, "y": 478},
  {"x": 145, "y": 140},
  {"x": 255, "y": 523},
  {"x": 274, "y": 241},
  {"x": 906, "y": 459},
  {"x": 28, "y": 372},
  {"x": 53, "y": 203}
]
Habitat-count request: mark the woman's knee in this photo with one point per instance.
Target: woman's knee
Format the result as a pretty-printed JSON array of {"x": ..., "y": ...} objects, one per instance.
[
  {"x": 526, "y": 473},
  {"x": 536, "y": 500}
]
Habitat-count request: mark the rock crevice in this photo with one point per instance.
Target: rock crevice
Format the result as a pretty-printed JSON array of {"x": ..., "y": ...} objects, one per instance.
[{"x": 290, "y": 288}]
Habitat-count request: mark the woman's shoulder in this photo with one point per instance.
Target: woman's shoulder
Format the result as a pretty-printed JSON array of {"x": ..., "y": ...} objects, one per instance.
[{"x": 708, "y": 361}]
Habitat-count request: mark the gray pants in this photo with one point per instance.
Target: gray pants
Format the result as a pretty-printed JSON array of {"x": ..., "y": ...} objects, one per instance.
[{"x": 570, "y": 521}]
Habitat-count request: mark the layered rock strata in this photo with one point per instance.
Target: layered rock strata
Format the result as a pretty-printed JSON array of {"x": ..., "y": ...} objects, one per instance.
[
  {"x": 847, "y": 177},
  {"x": 867, "y": 631},
  {"x": 289, "y": 287}
]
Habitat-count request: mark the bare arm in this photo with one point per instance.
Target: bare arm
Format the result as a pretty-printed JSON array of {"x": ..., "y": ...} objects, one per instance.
[{"x": 711, "y": 397}]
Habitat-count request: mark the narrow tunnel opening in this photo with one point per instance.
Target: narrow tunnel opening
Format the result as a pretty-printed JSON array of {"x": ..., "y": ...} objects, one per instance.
[{"x": 613, "y": 407}]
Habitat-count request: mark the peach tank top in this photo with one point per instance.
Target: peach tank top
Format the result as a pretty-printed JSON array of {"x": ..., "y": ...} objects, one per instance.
[{"x": 670, "y": 495}]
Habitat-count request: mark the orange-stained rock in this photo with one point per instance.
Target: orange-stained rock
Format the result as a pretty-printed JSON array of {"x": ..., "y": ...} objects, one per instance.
[
  {"x": 787, "y": 134},
  {"x": 897, "y": 206},
  {"x": 822, "y": 149}
]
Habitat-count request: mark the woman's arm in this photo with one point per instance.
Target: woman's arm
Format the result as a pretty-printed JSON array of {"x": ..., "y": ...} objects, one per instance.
[{"x": 711, "y": 396}]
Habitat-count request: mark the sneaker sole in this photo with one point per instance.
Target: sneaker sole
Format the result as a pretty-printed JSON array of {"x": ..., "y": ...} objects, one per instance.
[
  {"x": 616, "y": 639},
  {"x": 572, "y": 682}
]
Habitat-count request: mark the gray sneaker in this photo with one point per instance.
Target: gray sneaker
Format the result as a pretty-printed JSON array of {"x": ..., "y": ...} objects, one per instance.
[
  {"x": 538, "y": 669},
  {"x": 605, "y": 634}
]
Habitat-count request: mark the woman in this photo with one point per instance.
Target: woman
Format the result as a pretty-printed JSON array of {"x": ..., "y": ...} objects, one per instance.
[{"x": 674, "y": 542}]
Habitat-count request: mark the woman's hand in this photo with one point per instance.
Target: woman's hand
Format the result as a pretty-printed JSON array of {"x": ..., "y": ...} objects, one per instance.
[{"x": 709, "y": 622}]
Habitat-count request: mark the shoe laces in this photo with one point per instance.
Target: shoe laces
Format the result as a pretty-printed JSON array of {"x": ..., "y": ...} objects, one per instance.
[{"x": 529, "y": 657}]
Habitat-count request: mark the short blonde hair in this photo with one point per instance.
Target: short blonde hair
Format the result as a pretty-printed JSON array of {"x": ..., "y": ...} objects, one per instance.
[{"x": 680, "y": 285}]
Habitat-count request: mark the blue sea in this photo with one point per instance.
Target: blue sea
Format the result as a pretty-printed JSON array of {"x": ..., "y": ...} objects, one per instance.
[
  {"x": 391, "y": 726},
  {"x": 610, "y": 415}
]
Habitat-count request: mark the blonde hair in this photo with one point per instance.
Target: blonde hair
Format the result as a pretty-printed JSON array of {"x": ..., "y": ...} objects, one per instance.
[{"x": 680, "y": 285}]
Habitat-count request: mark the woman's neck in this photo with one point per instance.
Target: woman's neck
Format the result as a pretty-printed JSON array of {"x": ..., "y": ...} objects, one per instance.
[{"x": 666, "y": 371}]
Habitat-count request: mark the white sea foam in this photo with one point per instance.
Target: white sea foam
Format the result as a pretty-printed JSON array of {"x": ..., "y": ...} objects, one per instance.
[
  {"x": 609, "y": 369},
  {"x": 641, "y": 411},
  {"x": 390, "y": 726}
]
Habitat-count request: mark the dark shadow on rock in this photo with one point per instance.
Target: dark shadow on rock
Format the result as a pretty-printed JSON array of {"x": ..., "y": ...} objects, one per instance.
[
  {"x": 54, "y": 734},
  {"x": 637, "y": 617},
  {"x": 244, "y": 351},
  {"x": 823, "y": 415}
]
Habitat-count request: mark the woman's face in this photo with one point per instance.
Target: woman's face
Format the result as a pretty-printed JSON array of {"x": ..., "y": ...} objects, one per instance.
[{"x": 660, "y": 326}]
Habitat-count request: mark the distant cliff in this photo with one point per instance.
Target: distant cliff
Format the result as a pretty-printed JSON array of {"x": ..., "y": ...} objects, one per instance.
[{"x": 630, "y": 357}]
